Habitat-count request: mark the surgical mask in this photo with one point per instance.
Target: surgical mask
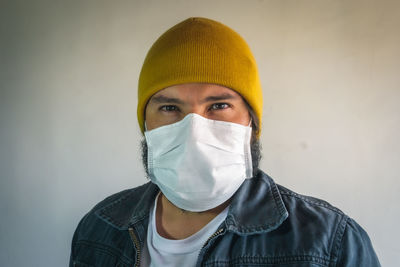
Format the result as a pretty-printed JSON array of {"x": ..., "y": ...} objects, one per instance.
[{"x": 198, "y": 163}]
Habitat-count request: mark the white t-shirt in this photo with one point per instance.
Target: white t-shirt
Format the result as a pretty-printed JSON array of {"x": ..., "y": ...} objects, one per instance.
[{"x": 160, "y": 251}]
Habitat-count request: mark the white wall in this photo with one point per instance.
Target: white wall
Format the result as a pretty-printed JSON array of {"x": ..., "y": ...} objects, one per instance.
[{"x": 69, "y": 136}]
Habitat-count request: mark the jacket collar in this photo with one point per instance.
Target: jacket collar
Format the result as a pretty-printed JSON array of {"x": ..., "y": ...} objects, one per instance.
[
  {"x": 128, "y": 207},
  {"x": 256, "y": 207}
]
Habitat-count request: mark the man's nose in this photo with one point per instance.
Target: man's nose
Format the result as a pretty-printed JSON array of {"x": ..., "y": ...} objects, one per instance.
[{"x": 199, "y": 110}]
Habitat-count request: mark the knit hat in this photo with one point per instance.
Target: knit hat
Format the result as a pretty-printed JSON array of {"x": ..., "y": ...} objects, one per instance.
[{"x": 200, "y": 50}]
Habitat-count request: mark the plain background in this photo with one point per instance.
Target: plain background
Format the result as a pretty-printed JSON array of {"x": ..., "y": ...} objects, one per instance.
[{"x": 69, "y": 135}]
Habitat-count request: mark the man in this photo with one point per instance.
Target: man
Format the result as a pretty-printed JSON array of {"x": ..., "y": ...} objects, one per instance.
[{"x": 208, "y": 204}]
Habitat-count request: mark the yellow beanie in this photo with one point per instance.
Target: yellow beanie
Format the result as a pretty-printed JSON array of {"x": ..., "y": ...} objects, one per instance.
[{"x": 200, "y": 50}]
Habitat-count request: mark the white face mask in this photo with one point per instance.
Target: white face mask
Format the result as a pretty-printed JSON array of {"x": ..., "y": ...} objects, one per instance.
[{"x": 198, "y": 163}]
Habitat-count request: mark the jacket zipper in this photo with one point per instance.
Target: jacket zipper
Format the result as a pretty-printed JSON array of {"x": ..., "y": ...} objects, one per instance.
[
  {"x": 136, "y": 244},
  {"x": 212, "y": 236},
  {"x": 218, "y": 232}
]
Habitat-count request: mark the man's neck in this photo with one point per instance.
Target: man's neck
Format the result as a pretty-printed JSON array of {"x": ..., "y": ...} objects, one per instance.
[{"x": 175, "y": 223}]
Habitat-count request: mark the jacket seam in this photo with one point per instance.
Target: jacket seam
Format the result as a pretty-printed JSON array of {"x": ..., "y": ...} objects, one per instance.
[
  {"x": 277, "y": 194},
  {"x": 306, "y": 199},
  {"x": 272, "y": 260},
  {"x": 336, "y": 249}
]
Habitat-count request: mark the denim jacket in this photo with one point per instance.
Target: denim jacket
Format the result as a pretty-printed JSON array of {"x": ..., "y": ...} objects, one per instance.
[{"x": 266, "y": 225}]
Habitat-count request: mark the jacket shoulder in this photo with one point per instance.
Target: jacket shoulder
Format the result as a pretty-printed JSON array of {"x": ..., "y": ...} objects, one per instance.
[
  {"x": 101, "y": 237},
  {"x": 292, "y": 198},
  {"x": 313, "y": 218},
  {"x": 114, "y": 210},
  {"x": 92, "y": 217},
  {"x": 121, "y": 196},
  {"x": 348, "y": 243}
]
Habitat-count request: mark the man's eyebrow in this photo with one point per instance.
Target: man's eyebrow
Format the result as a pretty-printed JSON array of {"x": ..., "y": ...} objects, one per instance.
[
  {"x": 164, "y": 99},
  {"x": 225, "y": 96}
]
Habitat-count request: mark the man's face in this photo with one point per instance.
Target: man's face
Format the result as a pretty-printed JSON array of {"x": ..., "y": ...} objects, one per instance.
[{"x": 211, "y": 101}]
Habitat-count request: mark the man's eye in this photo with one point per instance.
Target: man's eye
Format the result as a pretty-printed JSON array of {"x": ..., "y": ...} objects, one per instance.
[
  {"x": 217, "y": 106},
  {"x": 169, "y": 108}
]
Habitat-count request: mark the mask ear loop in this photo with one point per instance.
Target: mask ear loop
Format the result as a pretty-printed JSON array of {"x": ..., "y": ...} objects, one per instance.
[
  {"x": 251, "y": 120},
  {"x": 145, "y": 126}
]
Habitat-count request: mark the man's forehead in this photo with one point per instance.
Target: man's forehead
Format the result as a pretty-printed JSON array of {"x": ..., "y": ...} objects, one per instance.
[{"x": 204, "y": 92}]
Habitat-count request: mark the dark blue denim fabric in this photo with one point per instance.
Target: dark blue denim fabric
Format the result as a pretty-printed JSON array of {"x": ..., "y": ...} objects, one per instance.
[{"x": 267, "y": 225}]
